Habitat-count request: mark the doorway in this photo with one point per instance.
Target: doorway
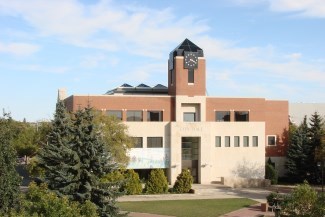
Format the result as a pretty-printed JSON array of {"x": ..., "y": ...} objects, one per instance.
[{"x": 190, "y": 156}]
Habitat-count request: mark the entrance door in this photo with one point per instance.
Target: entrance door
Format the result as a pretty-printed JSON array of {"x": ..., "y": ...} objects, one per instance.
[{"x": 190, "y": 156}]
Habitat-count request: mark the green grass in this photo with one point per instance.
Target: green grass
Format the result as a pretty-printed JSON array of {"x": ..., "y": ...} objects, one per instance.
[{"x": 188, "y": 208}]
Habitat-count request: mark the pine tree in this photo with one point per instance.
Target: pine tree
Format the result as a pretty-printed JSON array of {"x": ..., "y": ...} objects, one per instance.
[
  {"x": 297, "y": 154},
  {"x": 315, "y": 134},
  {"x": 95, "y": 163},
  {"x": 9, "y": 178},
  {"x": 60, "y": 162}
]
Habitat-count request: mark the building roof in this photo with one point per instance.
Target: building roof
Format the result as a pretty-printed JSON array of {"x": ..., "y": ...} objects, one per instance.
[
  {"x": 187, "y": 45},
  {"x": 126, "y": 89}
]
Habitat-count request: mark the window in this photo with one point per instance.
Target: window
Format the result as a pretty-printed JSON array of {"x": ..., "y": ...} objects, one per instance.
[
  {"x": 236, "y": 141},
  {"x": 271, "y": 140},
  {"x": 154, "y": 142},
  {"x": 190, "y": 148},
  {"x": 223, "y": 116},
  {"x": 134, "y": 116},
  {"x": 227, "y": 141},
  {"x": 191, "y": 76},
  {"x": 115, "y": 113},
  {"x": 255, "y": 141},
  {"x": 246, "y": 141},
  {"x": 171, "y": 76},
  {"x": 154, "y": 116},
  {"x": 189, "y": 117},
  {"x": 241, "y": 116},
  {"x": 138, "y": 143},
  {"x": 218, "y": 141}
]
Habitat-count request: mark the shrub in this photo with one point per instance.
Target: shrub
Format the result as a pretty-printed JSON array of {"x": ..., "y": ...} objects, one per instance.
[
  {"x": 303, "y": 201},
  {"x": 133, "y": 184},
  {"x": 270, "y": 198},
  {"x": 184, "y": 182},
  {"x": 39, "y": 201},
  {"x": 157, "y": 182},
  {"x": 271, "y": 174},
  {"x": 115, "y": 176}
]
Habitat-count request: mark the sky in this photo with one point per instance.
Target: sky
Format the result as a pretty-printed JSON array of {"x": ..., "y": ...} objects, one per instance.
[{"x": 273, "y": 49}]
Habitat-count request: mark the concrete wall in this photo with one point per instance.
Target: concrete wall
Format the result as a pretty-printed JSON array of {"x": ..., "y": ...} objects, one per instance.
[{"x": 217, "y": 162}]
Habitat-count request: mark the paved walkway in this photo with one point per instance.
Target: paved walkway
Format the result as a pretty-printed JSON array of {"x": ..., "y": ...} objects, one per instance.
[{"x": 212, "y": 191}]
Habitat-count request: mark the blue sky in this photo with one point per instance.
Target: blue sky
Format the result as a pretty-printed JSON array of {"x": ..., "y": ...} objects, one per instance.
[{"x": 254, "y": 48}]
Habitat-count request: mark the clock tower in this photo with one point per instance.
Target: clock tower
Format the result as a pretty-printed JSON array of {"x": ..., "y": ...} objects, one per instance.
[{"x": 186, "y": 70}]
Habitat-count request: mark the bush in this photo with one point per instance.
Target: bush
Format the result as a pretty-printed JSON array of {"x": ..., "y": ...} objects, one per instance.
[
  {"x": 132, "y": 185},
  {"x": 184, "y": 182},
  {"x": 271, "y": 174},
  {"x": 303, "y": 201},
  {"x": 270, "y": 198},
  {"x": 39, "y": 201},
  {"x": 157, "y": 182}
]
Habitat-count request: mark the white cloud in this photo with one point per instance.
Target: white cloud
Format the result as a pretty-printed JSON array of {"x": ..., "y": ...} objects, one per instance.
[
  {"x": 307, "y": 8},
  {"x": 18, "y": 49},
  {"x": 106, "y": 25},
  {"x": 310, "y": 8}
]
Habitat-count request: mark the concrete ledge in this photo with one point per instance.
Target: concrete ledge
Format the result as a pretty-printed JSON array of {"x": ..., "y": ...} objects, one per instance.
[{"x": 237, "y": 182}]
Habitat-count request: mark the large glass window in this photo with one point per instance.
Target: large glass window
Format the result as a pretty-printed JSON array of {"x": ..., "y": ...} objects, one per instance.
[
  {"x": 189, "y": 117},
  {"x": 246, "y": 141},
  {"x": 271, "y": 140},
  {"x": 223, "y": 116},
  {"x": 138, "y": 143},
  {"x": 236, "y": 141},
  {"x": 190, "y": 148},
  {"x": 134, "y": 116},
  {"x": 255, "y": 141},
  {"x": 154, "y": 142},
  {"x": 154, "y": 116},
  {"x": 218, "y": 141},
  {"x": 115, "y": 113},
  {"x": 227, "y": 141},
  {"x": 191, "y": 76},
  {"x": 241, "y": 116}
]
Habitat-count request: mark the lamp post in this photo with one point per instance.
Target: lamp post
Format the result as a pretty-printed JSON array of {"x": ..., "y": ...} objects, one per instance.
[{"x": 321, "y": 165}]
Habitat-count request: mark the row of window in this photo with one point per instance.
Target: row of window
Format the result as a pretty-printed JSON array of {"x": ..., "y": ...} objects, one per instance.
[
  {"x": 152, "y": 142},
  {"x": 271, "y": 141},
  {"x": 236, "y": 141},
  {"x": 136, "y": 115},
  {"x": 157, "y": 142},
  {"x": 224, "y": 116}
]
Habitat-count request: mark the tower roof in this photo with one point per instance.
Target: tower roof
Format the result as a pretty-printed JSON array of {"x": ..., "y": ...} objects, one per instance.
[{"x": 187, "y": 45}]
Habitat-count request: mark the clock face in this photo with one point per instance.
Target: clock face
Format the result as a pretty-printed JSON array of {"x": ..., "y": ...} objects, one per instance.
[{"x": 190, "y": 60}]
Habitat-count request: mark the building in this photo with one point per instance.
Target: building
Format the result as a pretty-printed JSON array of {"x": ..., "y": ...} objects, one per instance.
[
  {"x": 298, "y": 111},
  {"x": 180, "y": 127}
]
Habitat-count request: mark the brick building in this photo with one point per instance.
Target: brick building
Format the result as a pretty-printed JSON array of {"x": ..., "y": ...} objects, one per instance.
[{"x": 180, "y": 127}]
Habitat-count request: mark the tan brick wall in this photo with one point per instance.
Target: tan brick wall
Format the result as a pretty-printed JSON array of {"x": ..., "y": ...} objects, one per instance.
[
  {"x": 180, "y": 85},
  {"x": 124, "y": 102},
  {"x": 277, "y": 119}
]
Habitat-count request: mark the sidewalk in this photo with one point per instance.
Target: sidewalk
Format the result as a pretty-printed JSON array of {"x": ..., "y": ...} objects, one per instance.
[
  {"x": 252, "y": 211},
  {"x": 212, "y": 191}
]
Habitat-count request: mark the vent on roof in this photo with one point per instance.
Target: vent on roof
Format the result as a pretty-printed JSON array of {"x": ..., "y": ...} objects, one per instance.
[
  {"x": 125, "y": 85},
  {"x": 142, "y": 85},
  {"x": 160, "y": 86}
]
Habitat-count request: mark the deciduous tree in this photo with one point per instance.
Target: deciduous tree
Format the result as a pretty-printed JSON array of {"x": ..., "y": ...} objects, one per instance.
[{"x": 9, "y": 178}]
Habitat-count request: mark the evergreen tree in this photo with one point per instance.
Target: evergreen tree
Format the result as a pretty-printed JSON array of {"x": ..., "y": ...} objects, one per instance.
[
  {"x": 9, "y": 178},
  {"x": 315, "y": 133},
  {"x": 297, "y": 154},
  {"x": 95, "y": 162},
  {"x": 60, "y": 162}
]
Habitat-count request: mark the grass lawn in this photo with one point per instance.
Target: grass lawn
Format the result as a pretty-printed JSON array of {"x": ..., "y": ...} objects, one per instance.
[{"x": 187, "y": 208}]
